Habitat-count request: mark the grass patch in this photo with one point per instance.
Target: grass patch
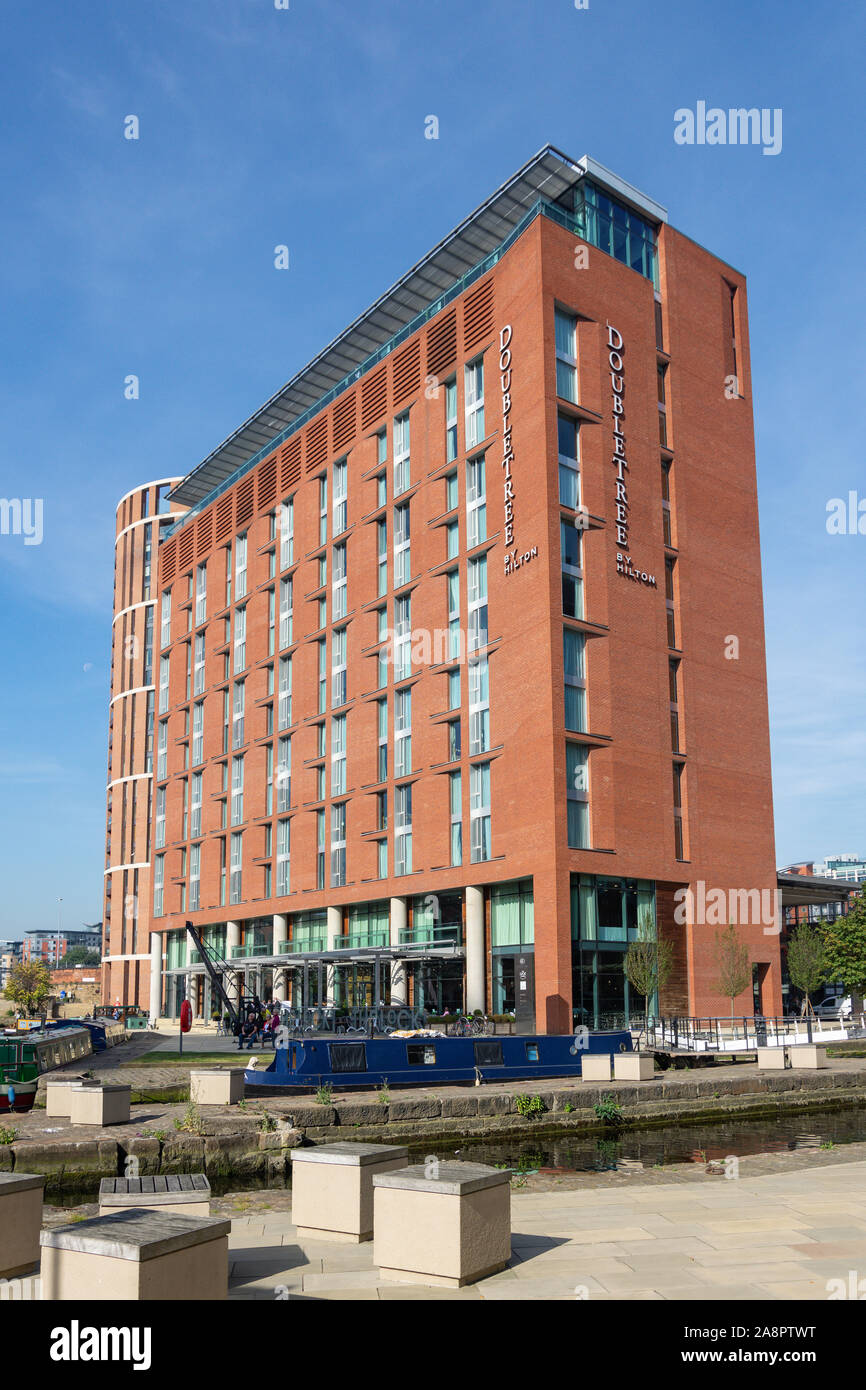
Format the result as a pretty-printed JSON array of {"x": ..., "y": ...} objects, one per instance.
[{"x": 188, "y": 1059}]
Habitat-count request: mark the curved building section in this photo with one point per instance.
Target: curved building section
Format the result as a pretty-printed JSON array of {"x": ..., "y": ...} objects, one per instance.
[{"x": 143, "y": 515}]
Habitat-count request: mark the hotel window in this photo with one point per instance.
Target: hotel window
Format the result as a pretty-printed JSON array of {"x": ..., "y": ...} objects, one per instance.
[
  {"x": 284, "y": 717},
  {"x": 200, "y": 594},
  {"x": 382, "y": 447},
  {"x": 323, "y": 509},
  {"x": 338, "y": 845},
  {"x": 661, "y": 373},
  {"x": 236, "y": 868},
  {"x": 198, "y": 733},
  {"x": 673, "y": 682},
  {"x": 568, "y": 442},
  {"x": 340, "y": 495},
  {"x": 195, "y": 805},
  {"x": 148, "y": 546},
  {"x": 402, "y": 830},
  {"x": 615, "y": 229},
  {"x": 679, "y": 843},
  {"x": 165, "y": 619},
  {"x": 382, "y": 734},
  {"x": 227, "y": 719},
  {"x": 669, "y": 601},
  {"x": 660, "y": 337},
  {"x": 455, "y": 801},
  {"x": 452, "y": 534},
  {"x": 666, "y": 503},
  {"x": 238, "y": 706},
  {"x": 320, "y": 849},
  {"x": 286, "y": 613},
  {"x": 453, "y": 614},
  {"x": 402, "y": 638},
  {"x": 454, "y": 689},
  {"x": 565, "y": 332},
  {"x": 572, "y": 572},
  {"x": 323, "y": 675},
  {"x": 237, "y": 790},
  {"x": 240, "y": 639},
  {"x": 383, "y": 654},
  {"x": 474, "y": 387},
  {"x": 161, "y": 749},
  {"x": 574, "y": 668},
  {"x": 451, "y": 419},
  {"x": 159, "y": 840},
  {"x": 222, "y": 872},
  {"x": 382, "y": 553},
  {"x": 477, "y": 592},
  {"x": 269, "y": 780},
  {"x": 381, "y": 810},
  {"x": 158, "y": 884},
  {"x": 338, "y": 667},
  {"x": 163, "y": 684},
  {"x": 382, "y": 858},
  {"x": 479, "y": 812},
  {"x": 198, "y": 669},
  {"x": 272, "y": 618},
  {"x": 148, "y": 737},
  {"x": 228, "y": 555},
  {"x": 339, "y": 583},
  {"x": 577, "y": 787},
  {"x": 287, "y": 533},
  {"x": 476, "y": 497},
  {"x": 194, "y": 877},
  {"x": 240, "y": 565},
  {"x": 338, "y": 755},
  {"x": 452, "y": 492},
  {"x": 401, "y": 454},
  {"x": 402, "y": 561},
  {"x": 402, "y": 732},
  {"x": 188, "y": 649},
  {"x": 283, "y": 861},
  {"x": 454, "y": 743},
  {"x": 479, "y": 707}
]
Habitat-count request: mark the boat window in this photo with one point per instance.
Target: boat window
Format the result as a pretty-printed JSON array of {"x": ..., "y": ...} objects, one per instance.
[
  {"x": 488, "y": 1053},
  {"x": 420, "y": 1054},
  {"x": 347, "y": 1056},
  {"x": 532, "y": 1052}
]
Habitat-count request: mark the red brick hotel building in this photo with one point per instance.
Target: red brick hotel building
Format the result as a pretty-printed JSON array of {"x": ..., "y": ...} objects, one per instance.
[{"x": 456, "y": 661}]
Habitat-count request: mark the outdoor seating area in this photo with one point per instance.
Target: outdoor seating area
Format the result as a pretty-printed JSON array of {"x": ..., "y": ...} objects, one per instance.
[
  {"x": 332, "y": 1188},
  {"x": 180, "y": 1194},
  {"x": 137, "y": 1255}
]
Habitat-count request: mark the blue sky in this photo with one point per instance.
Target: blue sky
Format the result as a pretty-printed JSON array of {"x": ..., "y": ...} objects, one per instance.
[{"x": 306, "y": 127}]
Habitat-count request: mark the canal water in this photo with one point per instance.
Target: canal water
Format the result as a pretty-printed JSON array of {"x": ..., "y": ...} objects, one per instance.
[{"x": 628, "y": 1150}]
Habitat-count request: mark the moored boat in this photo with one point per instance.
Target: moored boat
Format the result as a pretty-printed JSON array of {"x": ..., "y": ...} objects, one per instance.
[
  {"x": 305, "y": 1063},
  {"x": 25, "y": 1056}
]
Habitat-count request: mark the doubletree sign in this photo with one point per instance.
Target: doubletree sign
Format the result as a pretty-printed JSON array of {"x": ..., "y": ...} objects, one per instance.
[
  {"x": 616, "y": 360},
  {"x": 514, "y": 559}
]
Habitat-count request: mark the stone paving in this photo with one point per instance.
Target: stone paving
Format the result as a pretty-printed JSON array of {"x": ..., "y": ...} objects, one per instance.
[{"x": 778, "y": 1236}]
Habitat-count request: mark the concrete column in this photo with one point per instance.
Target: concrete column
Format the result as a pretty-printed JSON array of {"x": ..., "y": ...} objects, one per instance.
[
  {"x": 333, "y": 940},
  {"x": 234, "y": 981},
  {"x": 475, "y": 956},
  {"x": 281, "y": 932},
  {"x": 155, "y": 976},
  {"x": 399, "y": 982}
]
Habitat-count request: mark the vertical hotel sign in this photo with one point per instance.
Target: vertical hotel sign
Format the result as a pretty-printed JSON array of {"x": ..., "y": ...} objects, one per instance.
[
  {"x": 624, "y": 562},
  {"x": 514, "y": 560}
]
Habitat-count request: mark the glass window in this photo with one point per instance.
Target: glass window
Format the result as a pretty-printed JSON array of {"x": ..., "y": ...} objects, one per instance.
[
  {"x": 451, "y": 419},
  {"x": 401, "y": 454},
  {"x": 476, "y": 497},
  {"x": 572, "y": 571},
  {"x": 566, "y": 355},
  {"x": 577, "y": 787},
  {"x": 402, "y": 562},
  {"x": 574, "y": 658},
  {"x": 569, "y": 454},
  {"x": 479, "y": 811},
  {"x": 340, "y": 495},
  {"x": 474, "y": 387}
]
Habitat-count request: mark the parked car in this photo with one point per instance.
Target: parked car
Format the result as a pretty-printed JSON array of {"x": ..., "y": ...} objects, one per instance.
[{"x": 834, "y": 1006}]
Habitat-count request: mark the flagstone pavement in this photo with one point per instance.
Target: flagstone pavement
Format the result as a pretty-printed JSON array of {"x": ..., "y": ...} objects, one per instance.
[{"x": 780, "y": 1236}]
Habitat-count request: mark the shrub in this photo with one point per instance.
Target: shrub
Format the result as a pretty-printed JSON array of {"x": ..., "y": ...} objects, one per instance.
[
  {"x": 8, "y": 1135},
  {"x": 529, "y": 1106},
  {"x": 323, "y": 1094},
  {"x": 191, "y": 1122},
  {"x": 607, "y": 1109}
]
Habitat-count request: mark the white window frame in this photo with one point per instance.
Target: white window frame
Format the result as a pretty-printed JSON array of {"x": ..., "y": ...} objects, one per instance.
[{"x": 473, "y": 384}]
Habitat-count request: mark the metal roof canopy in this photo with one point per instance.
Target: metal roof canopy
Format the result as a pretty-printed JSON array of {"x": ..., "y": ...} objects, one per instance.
[
  {"x": 348, "y": 956},
  {"x": 807, "y": 890},
  {"x": 548, "y": 174}
]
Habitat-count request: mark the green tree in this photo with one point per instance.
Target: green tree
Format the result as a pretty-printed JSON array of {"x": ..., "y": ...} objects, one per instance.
[
  {"x": 733, "y": 963},
  {"x": 845, "y": 946},
  {"x": 79, "y": 955},
  {"x": 28, "y": 985},
  {"x": 648, "y": 963},
  {"x": 807, "y": 959}
]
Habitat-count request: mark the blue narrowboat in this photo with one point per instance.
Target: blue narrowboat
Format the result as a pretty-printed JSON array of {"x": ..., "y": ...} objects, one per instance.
[{"x": 304, "y": 1063}]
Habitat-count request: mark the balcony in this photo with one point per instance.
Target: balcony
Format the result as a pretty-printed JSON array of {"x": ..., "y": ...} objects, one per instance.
[
  {"x": 303, "y": 947},
  {"x": 416, "y": 938}
]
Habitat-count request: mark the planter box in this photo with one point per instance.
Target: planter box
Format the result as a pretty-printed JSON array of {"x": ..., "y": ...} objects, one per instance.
[
  {"x": 100, "y": 1105},
  {"x": 217, "y": 1086},
  {"x": 20, "y": 1221},
  {"x": 58, "y": 1096},
  {"x": 447, "y": 1230},
  {"x": 633, "y": 1066},
  {"x": 184, "y": 1194},
  {"x": 332, "y": 1188},
  {"x": 811, "y": 1055},
  {"x": 137, "y": 1256},
  {"x": 772, "y": 1058},
  {"x": 595, "y": 1066}
]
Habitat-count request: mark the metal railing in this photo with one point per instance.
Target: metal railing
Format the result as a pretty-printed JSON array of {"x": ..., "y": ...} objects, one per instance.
[{"x": 698, "y": 1033}]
